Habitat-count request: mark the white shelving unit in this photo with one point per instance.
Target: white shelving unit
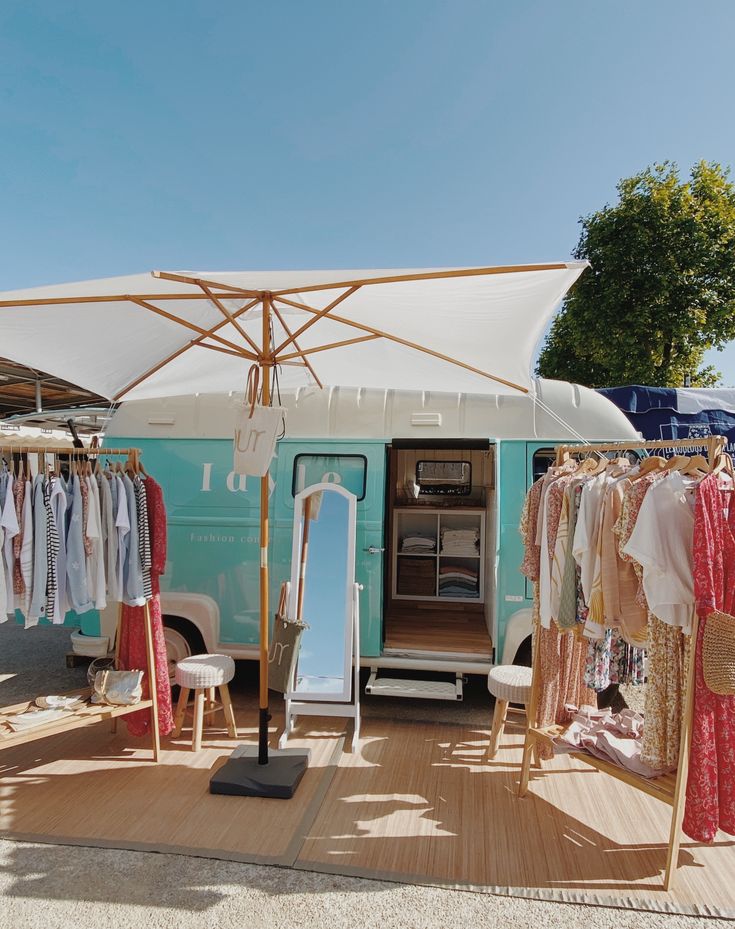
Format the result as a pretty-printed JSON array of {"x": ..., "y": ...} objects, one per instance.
[{"x": 408, "y": 521}]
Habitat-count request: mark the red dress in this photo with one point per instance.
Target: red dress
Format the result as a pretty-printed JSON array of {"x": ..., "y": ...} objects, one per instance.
[
  {"x": 132, "y": 635},
  {"x": 710, "y": 798}
]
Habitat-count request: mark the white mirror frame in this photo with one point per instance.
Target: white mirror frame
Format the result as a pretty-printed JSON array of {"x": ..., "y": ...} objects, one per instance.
[{"x": 345, "y": 694}]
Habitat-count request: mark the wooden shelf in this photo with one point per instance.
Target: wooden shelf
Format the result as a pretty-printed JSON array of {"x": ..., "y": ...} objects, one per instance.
[
  {"x": 88, "y": 715},
  {"x": 407, "y": 521},
  {"x": 663, "y": 787}
]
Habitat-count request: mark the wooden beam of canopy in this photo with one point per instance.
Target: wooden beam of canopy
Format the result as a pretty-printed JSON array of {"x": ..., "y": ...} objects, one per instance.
[
  {"x": 424, "y": 276},
  {"x": 229, "y": 317},
  {"x": 116, "y": 298},
  {"x": 199, "y": 281},
  {"x": 400, "y": 341},
  {"x": 301, "y": 354},
  {"x": 325, "y": 348},
  {"x": 207, "y": 333},
  {"x": 319, "y": 314}
]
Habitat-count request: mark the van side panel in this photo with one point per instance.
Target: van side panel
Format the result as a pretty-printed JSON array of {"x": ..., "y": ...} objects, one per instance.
[
  {"x": 214, "y": 528},
  {"x": 512, "y": 594}
]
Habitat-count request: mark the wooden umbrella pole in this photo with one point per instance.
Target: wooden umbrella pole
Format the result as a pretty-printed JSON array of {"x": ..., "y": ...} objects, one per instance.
[{"x": 264, "y": 714}]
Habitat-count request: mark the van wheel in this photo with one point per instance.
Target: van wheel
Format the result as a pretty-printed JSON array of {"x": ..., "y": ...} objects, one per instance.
[
  {"x": 183, "y": 639},
  {"x": 523, "y": 655}
]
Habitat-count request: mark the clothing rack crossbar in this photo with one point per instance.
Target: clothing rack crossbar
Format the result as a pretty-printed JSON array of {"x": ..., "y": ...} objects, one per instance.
[
  {"x": 19, "y": 449},
  {"x": 713, "y": 443}
]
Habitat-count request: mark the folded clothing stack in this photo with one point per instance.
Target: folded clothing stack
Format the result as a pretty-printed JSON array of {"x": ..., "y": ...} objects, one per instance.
[
  {"x": 462, "y": 542},
  {"x": 418, "y": 544},
  {"x": 458, "y": 581},
  {"x": 416, "y": 577}
]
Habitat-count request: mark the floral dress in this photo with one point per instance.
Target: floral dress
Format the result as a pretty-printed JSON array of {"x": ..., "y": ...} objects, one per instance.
[
  {"x": 667, "y": 653},
  {"x": 132, "y": 637},
  {"x": 710, "y": 795}
]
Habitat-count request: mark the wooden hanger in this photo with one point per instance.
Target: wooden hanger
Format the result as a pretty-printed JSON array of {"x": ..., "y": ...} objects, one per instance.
[
  {"x": 588, "y": 465},
  {"x": 676, "y": 462},
  {"x": 652, "y": 463},
  {"x": 723, "y": 462},
  {"x": 697, "y": 466}
]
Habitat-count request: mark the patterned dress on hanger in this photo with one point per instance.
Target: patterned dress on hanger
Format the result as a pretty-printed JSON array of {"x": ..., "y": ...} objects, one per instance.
[
  {"x": 667, "y": 653},
  {"x": 710, "y": 795}
]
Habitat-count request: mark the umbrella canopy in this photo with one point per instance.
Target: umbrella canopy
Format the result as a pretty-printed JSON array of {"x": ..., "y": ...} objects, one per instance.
[{"x": 163, "y": 334}]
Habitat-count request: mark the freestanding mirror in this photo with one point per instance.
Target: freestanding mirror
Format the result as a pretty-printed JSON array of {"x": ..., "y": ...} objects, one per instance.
[{"x": 324, "y": 595}]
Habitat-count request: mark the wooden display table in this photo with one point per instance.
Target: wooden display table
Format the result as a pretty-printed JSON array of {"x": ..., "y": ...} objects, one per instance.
[{"x": 87, "y": 715}]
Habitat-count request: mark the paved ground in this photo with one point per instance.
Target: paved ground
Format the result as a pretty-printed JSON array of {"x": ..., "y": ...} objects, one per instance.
[{"x": 49, "y": 886}]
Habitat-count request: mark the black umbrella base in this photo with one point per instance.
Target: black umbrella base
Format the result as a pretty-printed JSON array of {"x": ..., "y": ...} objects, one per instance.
[{"x": 242, "y": 776}]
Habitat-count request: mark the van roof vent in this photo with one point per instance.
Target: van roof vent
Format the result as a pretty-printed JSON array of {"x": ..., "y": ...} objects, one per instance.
[{"x": 426, "y": 419}]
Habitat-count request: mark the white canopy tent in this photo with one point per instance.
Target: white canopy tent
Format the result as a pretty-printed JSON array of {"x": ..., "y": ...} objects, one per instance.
[{"x": 168, "y": 334}]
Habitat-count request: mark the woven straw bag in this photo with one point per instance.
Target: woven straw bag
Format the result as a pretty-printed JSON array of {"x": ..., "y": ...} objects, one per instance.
[{"x": 718, "y": 653}]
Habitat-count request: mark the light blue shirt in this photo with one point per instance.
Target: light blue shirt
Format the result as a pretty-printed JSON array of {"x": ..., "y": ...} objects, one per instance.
[{"x": 76, "y": 558}]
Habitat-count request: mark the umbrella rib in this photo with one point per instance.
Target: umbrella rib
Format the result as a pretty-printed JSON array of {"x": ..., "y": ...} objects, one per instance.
[
  {"x": 298, "y": 352},
  {"x": 206, "y": 333},
  {"x": 324, "y": 348},
  {"x": 198, "y": 281},
  {"x": 425, "y": 276},
  {"x": 100, "y": 298},
  {"x": 229, "y": 317},
  {"x": 319, "y": 314},
  {"x": 219, "y": 348},
  {"x": 414, "y": 345}
]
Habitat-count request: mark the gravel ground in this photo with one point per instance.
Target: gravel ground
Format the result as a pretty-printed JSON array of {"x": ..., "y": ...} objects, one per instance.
[{"x": 50, "y": 886}]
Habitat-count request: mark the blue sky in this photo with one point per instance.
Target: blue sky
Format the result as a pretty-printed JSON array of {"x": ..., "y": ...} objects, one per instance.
[{"x": 330, "y": 134}]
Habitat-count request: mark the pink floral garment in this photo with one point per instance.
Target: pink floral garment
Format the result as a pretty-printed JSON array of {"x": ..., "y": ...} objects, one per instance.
[
  {"x": 529, "y": 517},
  {"x": 19, "y": 493},
  {"x": 710, "y": 797},
  {"x": 132, "y": 638}
]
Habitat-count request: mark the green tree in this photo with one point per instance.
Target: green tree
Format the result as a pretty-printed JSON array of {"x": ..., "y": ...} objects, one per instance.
[{"x": 661, "y": 287}]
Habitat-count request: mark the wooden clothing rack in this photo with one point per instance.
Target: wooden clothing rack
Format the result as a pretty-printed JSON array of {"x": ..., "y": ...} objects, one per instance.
[
  {"x": 93, "y": 713},
  {"x": 671, "y": 787}
]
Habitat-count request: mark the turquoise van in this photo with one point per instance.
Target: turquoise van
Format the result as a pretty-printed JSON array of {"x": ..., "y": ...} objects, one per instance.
[{"x": 440, "y": 480}]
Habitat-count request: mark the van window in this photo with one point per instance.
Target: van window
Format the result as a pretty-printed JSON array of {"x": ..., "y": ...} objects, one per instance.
[
  {"x": 348, "y": 470},
  {"x": 542, "y": 458}
]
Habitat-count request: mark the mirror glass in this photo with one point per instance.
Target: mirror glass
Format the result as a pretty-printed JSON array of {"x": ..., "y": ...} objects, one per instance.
[{"x": 321, "y": 585}]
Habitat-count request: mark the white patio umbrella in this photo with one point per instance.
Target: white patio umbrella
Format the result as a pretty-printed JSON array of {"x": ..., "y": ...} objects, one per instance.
[{"x": 164, "y": 334}]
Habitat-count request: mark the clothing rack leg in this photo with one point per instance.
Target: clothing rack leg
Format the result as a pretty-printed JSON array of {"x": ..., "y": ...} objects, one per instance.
[
  {"x": 530, "y": 748},
  {"x": 118, "y": 634},
  {"x": 152, "y": 683},
  {"x": 677, "y": 814}
]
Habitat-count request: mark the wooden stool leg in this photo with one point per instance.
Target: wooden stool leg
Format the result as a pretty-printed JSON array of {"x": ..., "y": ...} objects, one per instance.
[
  {"x": 180, "y": 712},
  {"x": 196, "y": 741},
  {"x": 501, "y": 711},
  {"x": 536, "y": 748},
  {"x": 528, "y": 749},
  {"x": 211, "y": 697},
  {"x": 224, "y": 693}
]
